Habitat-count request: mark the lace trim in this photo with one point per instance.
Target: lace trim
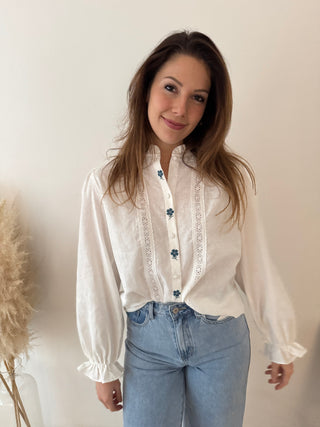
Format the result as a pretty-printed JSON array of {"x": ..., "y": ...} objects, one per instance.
[
  {"x": 198, "y": 228},
  {"x": 147, "y": 239}
]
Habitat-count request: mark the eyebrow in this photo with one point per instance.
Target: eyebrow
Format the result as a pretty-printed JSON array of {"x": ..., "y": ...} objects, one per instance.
[{"x": 180, "y": 84}]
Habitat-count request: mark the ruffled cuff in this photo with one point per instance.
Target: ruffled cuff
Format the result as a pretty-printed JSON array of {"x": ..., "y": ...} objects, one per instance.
[
  {"x": 100, "y": 372},
  {"x": 284, "y": 354}
]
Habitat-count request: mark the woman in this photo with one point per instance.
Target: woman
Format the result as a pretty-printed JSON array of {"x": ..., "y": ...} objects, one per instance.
[{"x": 169, "y": 232}]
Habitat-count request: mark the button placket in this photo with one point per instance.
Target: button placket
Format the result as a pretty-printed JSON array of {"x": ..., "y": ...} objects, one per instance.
[{"x": 172, "y": 235}]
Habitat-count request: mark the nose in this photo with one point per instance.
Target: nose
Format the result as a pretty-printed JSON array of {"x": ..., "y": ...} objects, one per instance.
[{"x": 179, "y": 107}]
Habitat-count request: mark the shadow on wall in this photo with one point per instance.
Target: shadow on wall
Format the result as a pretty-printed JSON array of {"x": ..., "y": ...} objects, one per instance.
[{"x": 310, "y": 392}]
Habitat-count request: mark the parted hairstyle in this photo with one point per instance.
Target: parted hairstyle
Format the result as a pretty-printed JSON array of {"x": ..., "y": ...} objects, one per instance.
[{"x": 214, "y": 161}]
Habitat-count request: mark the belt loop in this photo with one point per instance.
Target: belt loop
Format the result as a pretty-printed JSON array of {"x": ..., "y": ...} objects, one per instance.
[{"x": 151, "y": 310}]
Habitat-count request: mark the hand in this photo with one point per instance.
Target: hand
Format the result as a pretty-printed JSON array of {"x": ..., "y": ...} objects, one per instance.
[
  {"x": 110, "y": 395},
  {"x": 280, "y": 374}
]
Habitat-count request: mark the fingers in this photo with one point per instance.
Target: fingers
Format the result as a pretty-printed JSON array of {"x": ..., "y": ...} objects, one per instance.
[
  {"x": 110, "y": 395},
  {"x": 115, "y": 404},
  {"x": 275, "y": 373},
  {"x": 280, "y": 374},
  {"x": 117, "y": 397},
  {"x": 287, "y": 371}
]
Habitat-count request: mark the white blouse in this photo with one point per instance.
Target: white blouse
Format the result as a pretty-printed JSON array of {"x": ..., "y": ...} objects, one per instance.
[{"x": 172, "y": 248}]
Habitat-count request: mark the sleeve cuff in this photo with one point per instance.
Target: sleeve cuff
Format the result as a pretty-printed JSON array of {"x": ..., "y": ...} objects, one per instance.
[
  {"x": 100, "y": 372},
  {"x": 284, "y": 354}
]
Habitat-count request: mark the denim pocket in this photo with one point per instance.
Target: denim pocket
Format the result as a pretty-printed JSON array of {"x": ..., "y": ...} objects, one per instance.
[
  {"x": 207, "y": 318},
  {"x": 139, "y": 317}
]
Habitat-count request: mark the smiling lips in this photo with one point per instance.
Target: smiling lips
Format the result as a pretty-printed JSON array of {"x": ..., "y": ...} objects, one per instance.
[{"x": 173, "y": 125}]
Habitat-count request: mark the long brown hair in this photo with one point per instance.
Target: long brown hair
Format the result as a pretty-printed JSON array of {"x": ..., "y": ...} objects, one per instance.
[{"x": 207, "y": 141}]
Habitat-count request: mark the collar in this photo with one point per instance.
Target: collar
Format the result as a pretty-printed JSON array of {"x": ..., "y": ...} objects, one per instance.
[{"x": 154, "y": 153}]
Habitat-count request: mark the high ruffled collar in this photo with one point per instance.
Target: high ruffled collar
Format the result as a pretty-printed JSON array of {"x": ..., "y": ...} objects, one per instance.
[
  {"x": 154, "y": 150},
  {"x": 179, "y": 151},
  {"x": 154, "y": 153}
]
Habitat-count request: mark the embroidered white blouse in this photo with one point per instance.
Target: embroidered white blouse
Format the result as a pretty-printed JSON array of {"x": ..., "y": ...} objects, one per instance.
[{"x": 174, "y": 248}]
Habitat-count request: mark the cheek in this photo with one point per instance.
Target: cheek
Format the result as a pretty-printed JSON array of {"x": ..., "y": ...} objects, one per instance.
[
  {"x": 158, "y": 102},
  {"x": 197, "y": 114}
]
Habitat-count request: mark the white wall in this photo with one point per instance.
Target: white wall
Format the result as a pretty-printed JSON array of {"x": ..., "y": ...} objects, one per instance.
[{"x": 65, "y": 68}]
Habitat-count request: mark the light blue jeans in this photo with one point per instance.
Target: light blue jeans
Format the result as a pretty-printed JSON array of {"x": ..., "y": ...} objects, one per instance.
[{"x": 183, "y": 368}]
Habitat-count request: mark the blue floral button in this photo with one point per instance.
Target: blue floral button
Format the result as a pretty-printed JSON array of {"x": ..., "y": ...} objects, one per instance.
[
  {"x": 174, "y": 253},
  {"x": 160, "y": 174},
  {"x": 176, "y": 293},
  {"x": 170, "y": 213}
]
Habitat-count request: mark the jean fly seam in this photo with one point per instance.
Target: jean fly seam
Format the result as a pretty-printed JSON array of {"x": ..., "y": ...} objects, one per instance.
[{"x": 188, "y": 339}]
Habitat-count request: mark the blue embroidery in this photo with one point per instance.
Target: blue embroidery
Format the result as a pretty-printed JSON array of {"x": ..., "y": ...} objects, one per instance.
[
  {"x": 160, "y": 174},
  {"x": 170, "y": 213},
  {"x": 176, "y": 294},
  {"x": 174, "y": 253}
]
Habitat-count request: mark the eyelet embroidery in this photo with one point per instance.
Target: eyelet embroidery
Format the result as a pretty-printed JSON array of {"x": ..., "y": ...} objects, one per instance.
[
  {"x": 198, "y": 220},
  {"x": 148, "y": 240}
]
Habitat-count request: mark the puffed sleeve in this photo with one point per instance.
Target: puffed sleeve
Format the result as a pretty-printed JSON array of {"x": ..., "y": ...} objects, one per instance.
[
  {"x": 99, "y": 311},
  {"x": 267, "y": 297}
]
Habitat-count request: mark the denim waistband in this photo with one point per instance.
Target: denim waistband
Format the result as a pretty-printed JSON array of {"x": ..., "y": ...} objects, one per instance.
[
  {"x": 175, "y": 309},
  {"x": 159, "y": 308}
]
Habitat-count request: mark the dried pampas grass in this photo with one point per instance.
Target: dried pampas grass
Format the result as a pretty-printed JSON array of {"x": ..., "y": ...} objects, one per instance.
[
  {"x": 16, "y": 289},
  {"x": 16, "y": 297}
]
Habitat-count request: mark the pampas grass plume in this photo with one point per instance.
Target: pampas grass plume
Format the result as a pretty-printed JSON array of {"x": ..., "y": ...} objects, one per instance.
[{"x": 16, "y": 288}]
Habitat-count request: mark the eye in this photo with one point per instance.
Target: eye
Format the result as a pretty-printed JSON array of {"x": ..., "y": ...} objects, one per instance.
[
  {"x": 170, "y": 88},
  {"x": 199, "y": 99}
]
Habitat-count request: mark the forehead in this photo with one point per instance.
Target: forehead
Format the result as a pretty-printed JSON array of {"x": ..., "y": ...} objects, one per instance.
[{"x": 187, "y": 69}]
